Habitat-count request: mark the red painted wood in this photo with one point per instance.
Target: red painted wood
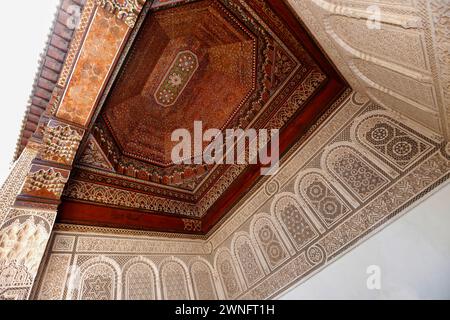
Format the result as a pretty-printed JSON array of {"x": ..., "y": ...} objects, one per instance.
[
  {"x": 298, "y": 127},
  {"x": 88, "y": 214},
  {"x": 72, "y": 212}
]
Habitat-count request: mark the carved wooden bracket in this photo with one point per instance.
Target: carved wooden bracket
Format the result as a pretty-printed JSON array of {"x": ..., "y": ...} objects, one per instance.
[
  {"x": 45, "y": 182},
  {"x": 60, "y": 142},
  {"x": 57, "y": 144},
  {"x": 126, "y": 10},
  {"x": 62, "y": 126}
]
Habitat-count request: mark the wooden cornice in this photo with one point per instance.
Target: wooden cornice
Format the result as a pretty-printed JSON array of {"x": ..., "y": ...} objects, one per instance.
[{"x": 50, "y": 66}]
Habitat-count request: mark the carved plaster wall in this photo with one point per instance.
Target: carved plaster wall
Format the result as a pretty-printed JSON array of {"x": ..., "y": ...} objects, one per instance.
[
  {"x": 402, "y": 63},
  {"x": 358, "y": 169},
  {"x": 23, "y": 234},
  {"x": 111, "y": 265}
]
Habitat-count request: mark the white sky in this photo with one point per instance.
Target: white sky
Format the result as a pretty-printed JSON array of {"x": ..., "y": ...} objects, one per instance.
[{"x": 23, "y": 39}]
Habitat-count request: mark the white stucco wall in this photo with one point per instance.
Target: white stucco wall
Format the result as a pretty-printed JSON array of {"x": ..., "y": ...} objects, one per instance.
[{"x": 413, "y": 254}]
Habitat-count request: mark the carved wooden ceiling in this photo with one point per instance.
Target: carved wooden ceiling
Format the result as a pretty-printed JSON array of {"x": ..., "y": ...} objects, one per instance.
[{"x": 227, "y": 63}]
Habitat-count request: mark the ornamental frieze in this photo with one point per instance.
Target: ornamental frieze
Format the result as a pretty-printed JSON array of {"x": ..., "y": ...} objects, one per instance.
[
  {"x": 126, "y": 10},
  {"x": 192, "y": 225}
]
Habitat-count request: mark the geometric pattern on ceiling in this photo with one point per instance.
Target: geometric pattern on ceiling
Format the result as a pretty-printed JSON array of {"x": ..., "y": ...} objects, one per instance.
[{"x": 227, "y": 63}]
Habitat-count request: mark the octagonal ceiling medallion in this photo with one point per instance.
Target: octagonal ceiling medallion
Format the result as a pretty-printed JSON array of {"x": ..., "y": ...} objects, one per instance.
[
  {"x": 176, "y": 78},
  {"x": 226, "y": 63},
  {"x": 222, "y": 75}
]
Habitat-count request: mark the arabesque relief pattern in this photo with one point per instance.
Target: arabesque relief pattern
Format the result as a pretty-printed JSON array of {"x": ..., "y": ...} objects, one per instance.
[
  {"x": 23, "y": 234},
  {"x": 396, "y": 52},
  {"x": 285, "y": 229},
  {"x": 14, "y": 182}
]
